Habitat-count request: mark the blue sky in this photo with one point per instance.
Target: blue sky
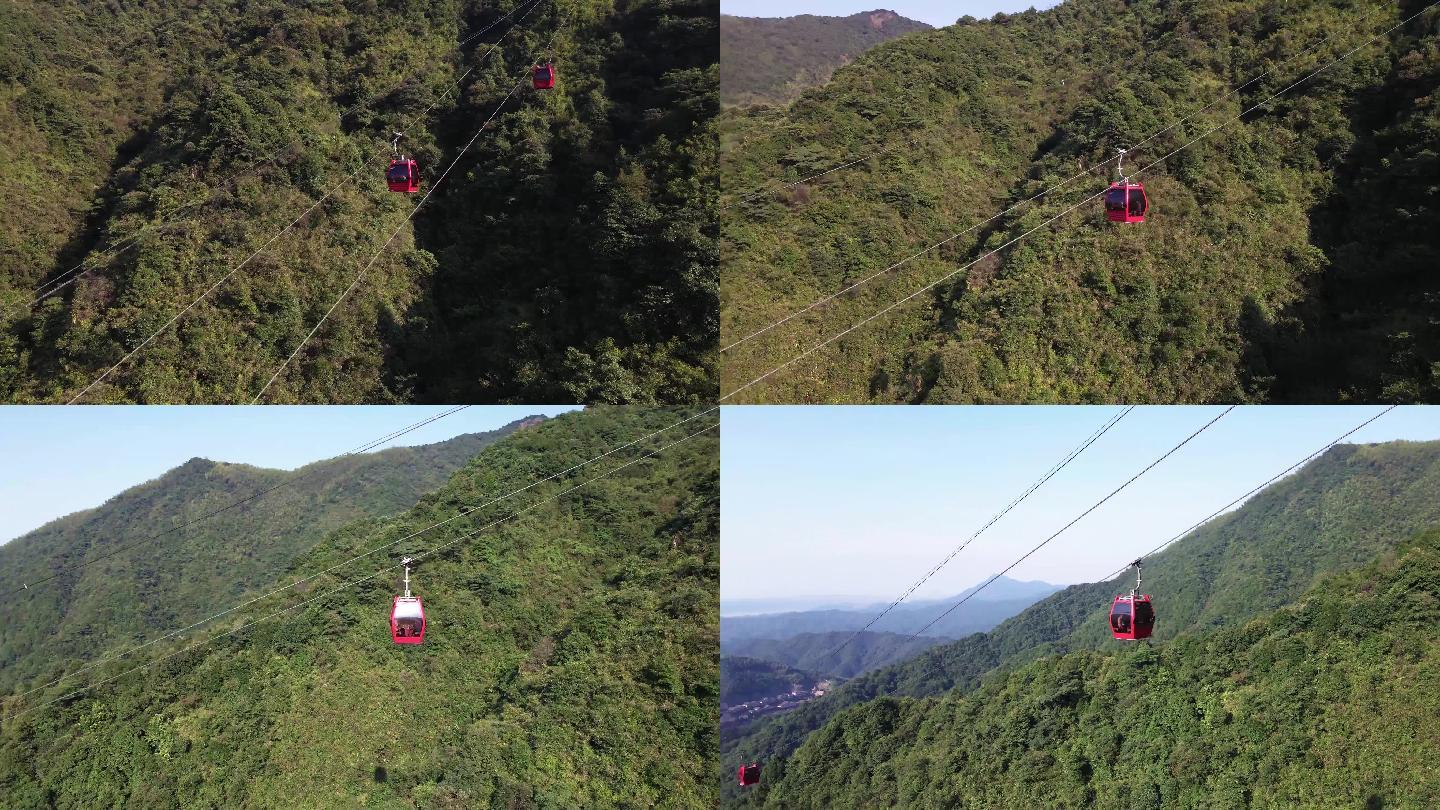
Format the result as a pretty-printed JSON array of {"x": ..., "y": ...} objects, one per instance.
[
  {"x": 936, "y": 12},
  {"x": 60, "y": 460},
  {"x": 863, "y": 500}
]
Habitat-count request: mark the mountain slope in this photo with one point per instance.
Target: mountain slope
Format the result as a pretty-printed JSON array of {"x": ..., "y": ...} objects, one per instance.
[
  {"x": 743, "y": 678},
  {"x": 570, "y": 256},
  {"x": 569, "y": 658},
  {"x": 134, "y": 584},
  {"x": 772, "y": 60},
  {"x": 1331, "y": 701},
  {"x": 812, "y": 651},
  {"x": 1347, "y": 507},
  {"x": 1275, "y": 245}
]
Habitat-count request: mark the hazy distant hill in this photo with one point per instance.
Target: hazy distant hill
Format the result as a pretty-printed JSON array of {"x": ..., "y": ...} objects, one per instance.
[
  {"x": 812, "y": 651},
  {"x": 132, "y": 584},
  {"x": 769, "y": 60},
  {"x": 1336, "y": 514},
  {"x": 995, "y": 604}
]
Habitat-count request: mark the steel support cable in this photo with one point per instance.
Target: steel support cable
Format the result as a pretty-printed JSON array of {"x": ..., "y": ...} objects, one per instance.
[
  {"x": 365, "y": 270},
  {"x": 1227, "y": 507},
  {"x": 1051, "y": 190},
  {"x": 1085, "y": 201},
  {"x": 1152, "y": 465},
  {"x": 263, "y": 247},
  {"x": 462, "y": 513},
  {"x": 172, "y": 218},
  {"x": 352, "y": 583},
  {"x": 1062, "y": 464},
  {"x": 57, "y": 573}
]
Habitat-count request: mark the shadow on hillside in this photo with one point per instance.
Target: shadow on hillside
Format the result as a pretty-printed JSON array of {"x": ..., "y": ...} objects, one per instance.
[{"x": 1366, "y": 329}]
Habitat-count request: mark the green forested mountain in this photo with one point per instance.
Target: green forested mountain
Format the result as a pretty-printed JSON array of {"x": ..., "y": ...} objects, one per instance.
[
  {"x": 772, "y": 60},
  {"x": 1287, "y": 256},
  {"x": 1329, "y": 702},
  {"x": 570, "y": 255},
  {"x": 743, "y": 678},
  {"x": 144, "y": 575},
  {"x": 569, "y": 658},
  {"x": 812, "y": 651},
  {"x": 1345, "y": 508}
]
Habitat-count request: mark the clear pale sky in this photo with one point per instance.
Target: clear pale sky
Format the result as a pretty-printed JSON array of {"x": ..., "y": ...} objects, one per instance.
[
  {"x": 935, "y": 12},
  {"x": 864, "y": 500},
  {"x": 59, "y": 459}
]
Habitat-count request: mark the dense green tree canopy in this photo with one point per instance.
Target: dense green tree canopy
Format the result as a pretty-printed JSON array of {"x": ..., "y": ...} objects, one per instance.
[
  {"x": 568, "y": 256},
  {"x": 1287, "y": 257},
  {"x": 569, "y": 659},
  {"x": 769, "y": 60}
]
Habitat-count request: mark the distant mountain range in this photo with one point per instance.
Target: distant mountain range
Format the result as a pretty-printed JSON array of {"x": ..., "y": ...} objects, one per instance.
[
  {"x": 773, "y": 60},
  {"x": 1003, "y": 599}
]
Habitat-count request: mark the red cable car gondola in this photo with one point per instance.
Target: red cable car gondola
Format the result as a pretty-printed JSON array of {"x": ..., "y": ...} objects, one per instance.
[
  {"x": 1125, "y": 201},
  {"x": 407, "y": 617},
  {"x": 543, "y": 76},
  {"x": 749, "y": 774},
  {"x": 1132, "y": 616},
  {"x": 403, "y": 175}
]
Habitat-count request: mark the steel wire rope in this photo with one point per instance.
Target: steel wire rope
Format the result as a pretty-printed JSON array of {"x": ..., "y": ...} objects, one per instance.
[
  {"x": 1152, "y": 465},
  {"x": 1252, "y": 492},
  {"x": 1089, "y": 199},
  {"x": 274, "y": 238},
  {"x": 462, "y": 513},
  {"x": 1051, "y": 190},
  {"x": 57, "y": 573},
  {"x": 347, "y": 585},
  {"x": 1062, "y": 464},
  {"x": 172, "y": 218},
  {"x": 365, "y": 270}
]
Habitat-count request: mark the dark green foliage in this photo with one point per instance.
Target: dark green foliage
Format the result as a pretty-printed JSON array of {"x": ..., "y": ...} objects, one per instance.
[
  {"x": 1341, "y": 510},
  {"x": 569, "y": 256},
  {"x": 769, "y": 60},
  {"x": 812, "y": 651},
  {"x": 1286, "y": 256},
  {"x": 1331, "y": 701},
  {"x": 143, "y": 575},
  {"x": 743, "y": 679},
  {"x": 569, "y": 659}
]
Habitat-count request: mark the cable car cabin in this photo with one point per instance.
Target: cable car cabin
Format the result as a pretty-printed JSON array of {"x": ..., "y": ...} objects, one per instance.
[
  {"x": 1132, "y": 617},
  {"x": 749, "y": 775},
  {"x": 407, "y": 620},
  {"x": 403, "y": 175},
  {"x": 543, "y": 77},
  {"x": 1126, "y": 202}
]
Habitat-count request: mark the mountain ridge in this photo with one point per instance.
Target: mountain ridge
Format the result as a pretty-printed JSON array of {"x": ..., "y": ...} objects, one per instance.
[
  {"x": 1262, "y": 555},
  {"x": 772, "y": 60},
  {"x": 140, "y": 569},
  {"x": 568, "y": 658}
]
